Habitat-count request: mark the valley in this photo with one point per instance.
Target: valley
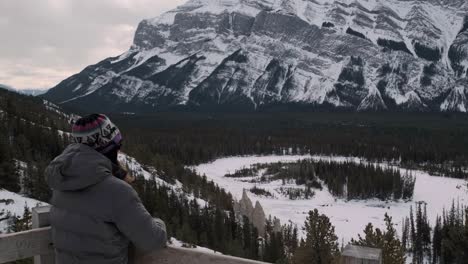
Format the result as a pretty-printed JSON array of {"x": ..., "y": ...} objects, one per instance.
[
  {"x": 181, "y": 160},
  {"x": 347, "y": 216}
]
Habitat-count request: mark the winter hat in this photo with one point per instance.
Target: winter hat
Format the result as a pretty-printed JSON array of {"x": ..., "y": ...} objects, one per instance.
[{"x": 98, "y": 132}]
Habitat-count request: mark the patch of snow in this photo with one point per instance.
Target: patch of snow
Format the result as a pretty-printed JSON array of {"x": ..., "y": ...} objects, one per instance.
[
  {"x": 78, "y": 87},
  {"x": 165, "y": 19},
  {"x": 14, "y": 203},
  {"x": 221, "y": 6},
  {"x": 179, "y": 244},
  {"x": 97, "y": 83},
  {"x": 55, "y": 108},
  {"x": 123, "y": 56},
  {"x": 456, "y": 101}
]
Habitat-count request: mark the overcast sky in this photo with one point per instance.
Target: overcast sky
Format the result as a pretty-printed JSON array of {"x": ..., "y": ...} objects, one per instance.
[{"x": 46, "y": 41}]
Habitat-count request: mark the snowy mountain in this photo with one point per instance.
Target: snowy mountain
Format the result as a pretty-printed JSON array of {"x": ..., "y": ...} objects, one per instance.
[
  {"x": 33, "y": 92},
  {"x": 251, "y": 54}
]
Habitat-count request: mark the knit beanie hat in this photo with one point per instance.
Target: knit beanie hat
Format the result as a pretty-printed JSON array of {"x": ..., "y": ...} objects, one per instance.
[{"x": 98, "y": 132}]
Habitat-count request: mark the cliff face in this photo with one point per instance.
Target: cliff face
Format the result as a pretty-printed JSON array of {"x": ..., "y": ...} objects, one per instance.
[
  {"x": 258, "y": 218},
  {"x": 249, "y": 54},
  {"x": 255, "y": 214}
]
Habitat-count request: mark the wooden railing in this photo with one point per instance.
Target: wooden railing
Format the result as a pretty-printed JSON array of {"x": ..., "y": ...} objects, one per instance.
[{"x": 37, "y": 243}]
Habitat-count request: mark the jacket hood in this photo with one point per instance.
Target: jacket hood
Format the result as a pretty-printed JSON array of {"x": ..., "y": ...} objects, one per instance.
[{"x": 78, "y": 167}]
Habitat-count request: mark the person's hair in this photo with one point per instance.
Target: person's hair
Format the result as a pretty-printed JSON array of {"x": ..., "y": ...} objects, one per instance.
[
  {"x": 117, "y": 169},
  {"x": 112, "y": 155}
]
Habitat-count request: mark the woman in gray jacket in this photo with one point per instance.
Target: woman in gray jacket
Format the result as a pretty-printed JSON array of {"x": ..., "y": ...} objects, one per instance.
[{"x": 95, "y": 213}]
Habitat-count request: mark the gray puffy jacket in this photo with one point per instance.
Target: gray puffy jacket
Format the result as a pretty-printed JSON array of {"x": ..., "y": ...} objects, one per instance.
[{"x": 94, "y": 215}]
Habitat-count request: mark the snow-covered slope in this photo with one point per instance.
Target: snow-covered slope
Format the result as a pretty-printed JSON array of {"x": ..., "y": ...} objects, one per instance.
[
  {"x": 248, "y": 54},
  {"x": 149, "y": 172},
  {"x": 348, "y": 217},
  {"x": 14, "y": 204}
]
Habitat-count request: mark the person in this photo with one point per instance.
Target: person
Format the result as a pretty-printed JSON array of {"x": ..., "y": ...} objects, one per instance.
[{"x": 95, "y": 212}]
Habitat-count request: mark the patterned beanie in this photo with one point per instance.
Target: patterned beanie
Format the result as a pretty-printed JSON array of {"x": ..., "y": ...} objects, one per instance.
[{"x": 98, "y": 132}]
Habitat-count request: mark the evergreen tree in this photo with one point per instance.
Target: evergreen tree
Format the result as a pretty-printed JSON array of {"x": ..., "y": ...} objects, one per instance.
[
  {"x": 290, "y": 241},
  {"x": 21, "y": 223},
  {"x": 449, "y": 243},
  {"x": 392, "y": 249},
  {"x": 274, "y": 244},
  {"x": 320, "y": 246},
  {"x": 437, "y": 241},
  {"x": 454, "y": 245},
  {"x": 412, "y": 227},
  {"x": 405, "y": 233},
  {"x": 9, "y": 178},
  {"x": 421, "y": 241}
]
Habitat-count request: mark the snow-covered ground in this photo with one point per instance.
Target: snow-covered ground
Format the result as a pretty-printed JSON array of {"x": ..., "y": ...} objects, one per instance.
[
  {"x": 349, "y": 217},
  {"x": 14, "y": 203}
]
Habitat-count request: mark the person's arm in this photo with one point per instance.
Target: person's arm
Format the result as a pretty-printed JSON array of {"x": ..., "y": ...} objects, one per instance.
[{"x": 134, "y": 221}]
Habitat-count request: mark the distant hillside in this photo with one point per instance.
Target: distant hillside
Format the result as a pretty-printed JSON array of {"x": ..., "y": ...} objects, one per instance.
[
  {"x": 32, "y": 134},
  {"x": 33, "y": 92},
  {"x": 3, "y": 86}
]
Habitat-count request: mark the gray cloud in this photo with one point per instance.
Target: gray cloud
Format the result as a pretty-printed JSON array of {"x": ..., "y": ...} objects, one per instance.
[{"x": 45, "y": 41}]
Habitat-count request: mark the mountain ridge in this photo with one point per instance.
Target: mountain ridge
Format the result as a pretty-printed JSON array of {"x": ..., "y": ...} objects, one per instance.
[{"x": 251, "y": 54}]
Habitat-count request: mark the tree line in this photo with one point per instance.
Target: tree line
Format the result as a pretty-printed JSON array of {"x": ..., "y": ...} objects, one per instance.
[
  {"x": 213, "y": 225},
  {"x": 348, "y": 180},
  {"x": 434, "y": 142},
  {"x": 445, "y": 242}
]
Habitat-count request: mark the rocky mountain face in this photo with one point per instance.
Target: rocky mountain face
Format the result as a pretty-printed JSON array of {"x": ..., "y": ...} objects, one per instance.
[
  {"x": 396, "y": 55},
  {"x": 256, "y": 215}
]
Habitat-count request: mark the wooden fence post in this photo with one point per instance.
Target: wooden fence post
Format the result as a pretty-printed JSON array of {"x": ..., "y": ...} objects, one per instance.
[{"x": 40, "y": 218}]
